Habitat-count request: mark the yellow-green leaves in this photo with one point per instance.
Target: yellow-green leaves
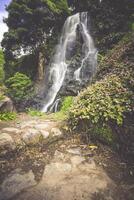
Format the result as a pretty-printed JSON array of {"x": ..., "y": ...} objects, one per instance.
[{"x": 104, "y": 101}]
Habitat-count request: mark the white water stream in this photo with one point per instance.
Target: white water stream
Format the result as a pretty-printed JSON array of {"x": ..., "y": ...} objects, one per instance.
[
  {"x": 59, "y": 65},
  {"x": 89, "y": 48}
]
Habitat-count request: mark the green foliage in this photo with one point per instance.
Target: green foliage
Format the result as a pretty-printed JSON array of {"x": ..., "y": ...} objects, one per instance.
[
  {"x": 103, "y": 133},
  {"x": 102, "y": 109},
  {"x": 30, "y": 21},
  {"x": 132, "y": 26},
  {"x": 34, "y": 113},
  {"x": 66, "y": 104},
  {"x": 102, "y": 102},
  {"x": 2, "y": 92},
  {"x": 7, "y": 116},
  {"x": 1, "y": 66},
  {"x": 58, "y": 116},
  {"x": 58, "y": 6},
  {"x": 20, "y": 87}
]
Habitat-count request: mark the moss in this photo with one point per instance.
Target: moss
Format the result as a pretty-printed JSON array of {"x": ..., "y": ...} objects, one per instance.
[
  {"x": 66, "y": 103},
  {"x": 34, "y": 113}
]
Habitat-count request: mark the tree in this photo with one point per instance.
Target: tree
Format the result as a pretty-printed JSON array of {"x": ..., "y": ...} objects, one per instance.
[{"x": 31, "y": 21}]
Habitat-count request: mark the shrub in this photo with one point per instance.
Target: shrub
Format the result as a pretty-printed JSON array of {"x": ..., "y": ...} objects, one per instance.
[
  {"x": 20, "y": 87},
  {"x": 104, "y": 101}
]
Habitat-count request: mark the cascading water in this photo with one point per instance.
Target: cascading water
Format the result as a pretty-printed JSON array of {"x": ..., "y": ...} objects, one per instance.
[
  {"x": 59, "y": 66},
  {"x": 54, "y": 107},
  {"x": 89, "y": 48}
]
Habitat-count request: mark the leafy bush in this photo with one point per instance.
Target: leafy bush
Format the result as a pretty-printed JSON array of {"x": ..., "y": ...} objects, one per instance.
[
  {"x": 7, "y": 116},
  {"x": 102, "y": 102},
  {"x": 20, "y": 87}
]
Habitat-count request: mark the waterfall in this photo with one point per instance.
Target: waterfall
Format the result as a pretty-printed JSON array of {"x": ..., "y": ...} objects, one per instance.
[
  {"x": 54, "y": 107},
  {"x": 89, "y": 48},
  {"x": 59, "y": 65}
]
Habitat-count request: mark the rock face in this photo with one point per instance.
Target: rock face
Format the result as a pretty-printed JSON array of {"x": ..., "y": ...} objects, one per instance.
[
  {"x": 6, "y": 105},
  {"x": 15, "y": 183}
]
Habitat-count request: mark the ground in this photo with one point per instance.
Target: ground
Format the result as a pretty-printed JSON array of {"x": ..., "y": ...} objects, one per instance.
[{"x": 40, "y": 160}]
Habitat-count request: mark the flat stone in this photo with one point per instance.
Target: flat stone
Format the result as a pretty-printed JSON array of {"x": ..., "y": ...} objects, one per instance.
[
  {"x": 88, "y": 167},
  {"x": 6, "y": 141},
  {"x": 41, "y": 126},
  {"x": 29, "y": 124},
  {"x": 75, "y": 151},
  {"x": 15, "y": 183},
  {"x": 59, "y": 155},
  {"x": 77, "y": 160},
  {"x": 56, "y": 132},
  {"x": 62, "y": 181},
  {"x": 11, "y": 130},
  {"x": 57, "y": 168}
]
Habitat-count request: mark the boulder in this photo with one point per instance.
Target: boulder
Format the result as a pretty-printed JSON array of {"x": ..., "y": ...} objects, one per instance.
[
  {"x": 44, "y": 134},
  {"x": 15, "y": 183},
  {"x": 6, "y": 141},
  {"x": 42, "y": 126},
  {"x": 6, "y": 105},
  {"x": 56, "y": 132},
  {"x": 33, "y": 136},
  {"x": 11, "y": 130}
]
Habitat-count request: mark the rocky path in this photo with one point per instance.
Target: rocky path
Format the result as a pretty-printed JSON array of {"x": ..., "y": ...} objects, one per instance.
[{"x": 39, "y": 163}]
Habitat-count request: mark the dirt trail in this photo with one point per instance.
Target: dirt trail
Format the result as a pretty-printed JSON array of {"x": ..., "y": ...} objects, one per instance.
[{"x": 58, "y": 166}]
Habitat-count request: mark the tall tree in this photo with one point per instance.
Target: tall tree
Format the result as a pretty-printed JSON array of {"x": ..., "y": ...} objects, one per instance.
[{"x": 30, "y": 21}]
